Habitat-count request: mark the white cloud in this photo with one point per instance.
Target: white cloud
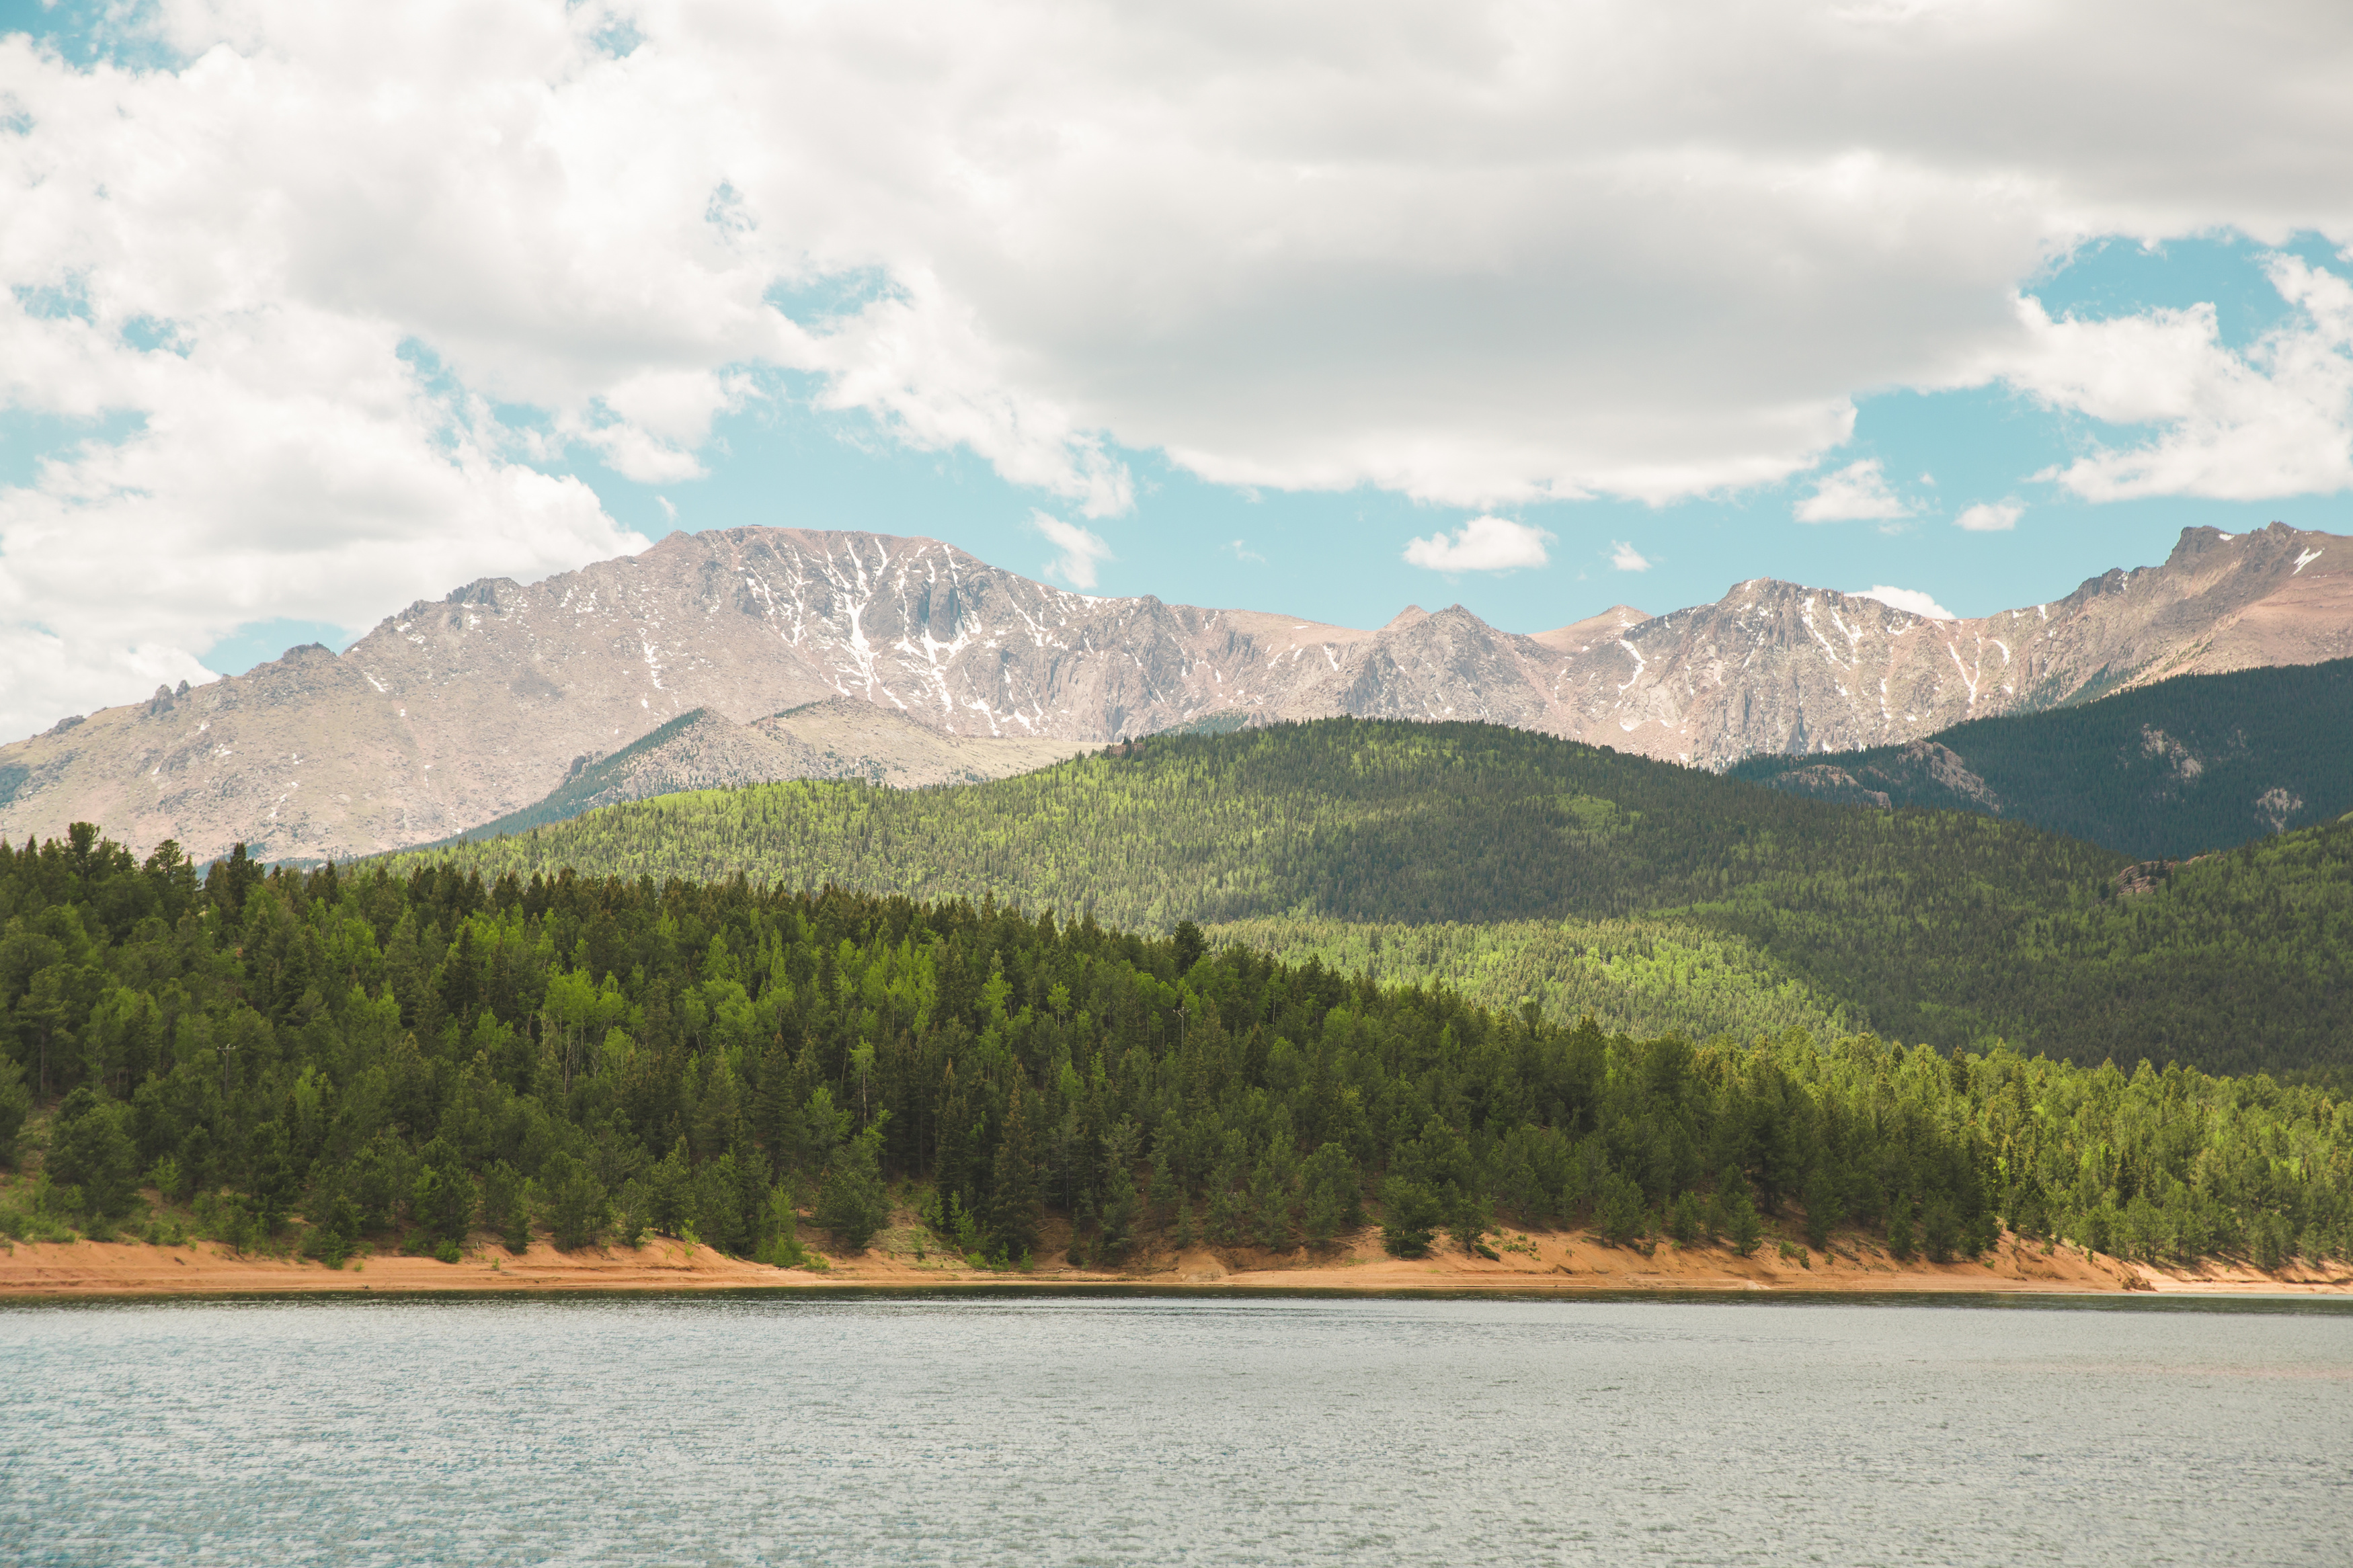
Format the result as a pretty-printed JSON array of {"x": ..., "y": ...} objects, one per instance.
[
  {"x": 1482, "y": 544},
  {"x": 1990, "y": 517},
  {"x": 647, "y": 426},
  {"x": 634, "y": 455},
  {"x": 1475, "y": 252},
  {"x": 1626, "y": 558},
  {"x": 335, "y": 487},
  {"x": 1910, "y": 600},
  {"x": 1243, "y": 552},
  {"x": 1079, "y": 550},
  {"x": 919, "y": 363},
  {"x": 1857, "y": 492},
  {"x": 2274, "y": 420}
]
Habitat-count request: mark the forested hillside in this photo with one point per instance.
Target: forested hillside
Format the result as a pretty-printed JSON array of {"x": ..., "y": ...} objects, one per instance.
[
  {"x": 1651, "y": 974},
  {"x": 1353, "y": 819},
  {"x": 325, "y": 1058},
  {"x": 1949, "y": 928},
  {"x": 2240, "y": 961},
  {"x": 2199, "y": 762}
]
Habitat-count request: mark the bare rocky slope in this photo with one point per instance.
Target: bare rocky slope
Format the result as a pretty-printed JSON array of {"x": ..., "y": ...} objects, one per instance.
[
  {"x": 1774, "y": 667},
  {"x": 839, "y": 738},
  {"x": 458, "y": 712}
]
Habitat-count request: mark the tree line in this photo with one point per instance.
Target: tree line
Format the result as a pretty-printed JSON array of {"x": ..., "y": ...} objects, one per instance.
[{"x": 318, "y": 1059}]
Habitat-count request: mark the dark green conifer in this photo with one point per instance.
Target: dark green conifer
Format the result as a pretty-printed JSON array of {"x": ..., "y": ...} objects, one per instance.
[
  {"x": 503, "y": 1208},
  {"x": 1822, "y": 1208},
  {"x": 1015, "y": 1181},
  {"x": 1410, "y": 1215},
  {"x": 1902, "y": 1242},
  {"x": 854, "y": 1204}
]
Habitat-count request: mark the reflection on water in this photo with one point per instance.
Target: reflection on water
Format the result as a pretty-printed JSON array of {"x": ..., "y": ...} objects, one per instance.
[{"x": 1154, "y": 1430}]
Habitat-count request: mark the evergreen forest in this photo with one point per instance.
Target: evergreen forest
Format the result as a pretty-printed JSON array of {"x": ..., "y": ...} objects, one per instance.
[
  {"x": 406, "y": 1056},
  {"x": 1336, "y": 837},
  {"x": 2168, "y": 771}
]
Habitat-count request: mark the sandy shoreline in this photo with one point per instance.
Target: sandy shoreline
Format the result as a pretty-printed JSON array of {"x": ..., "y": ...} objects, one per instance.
[{"x": 1536, "y": 1264}]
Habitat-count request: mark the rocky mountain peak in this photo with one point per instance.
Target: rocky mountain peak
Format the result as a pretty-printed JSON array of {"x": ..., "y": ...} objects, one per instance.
[{"x": 458, "y": 710}]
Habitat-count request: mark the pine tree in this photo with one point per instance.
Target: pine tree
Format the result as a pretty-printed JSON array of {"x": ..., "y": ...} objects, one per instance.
[
  {"x": 1271, "y": 1195},
  {"x": 1939, "y": 1232},
  {"x": 577, "y": 1209},
  {"x": 1744, "y": 1230},
  {"x": 1410, "y": 1215},
  {"x": 1119, "y": 1209},
  {"x": 1331, "y": 1198},
  {"x": 629, "y": 1214},
  {"x": 1015, "y": 1181},
  {"x": 15, "y": 1102},
  {"x": 503, "y": 1209},
  {"x": 773, "y": 1105},
  {"x": 1822, "y": 1208},
  {"x": 1161, "y": 1206},
  {"x": 1189, "y": 946},
  {"x": 93, "y": 1150},
  {"x": 670, "y": 1191},
  {"x": 1742, "y": 1227},
  {"x": 1901, "y": 1244},
  {"x": 719, "y": 1217},
  {"x": 853, "y": 1203}
]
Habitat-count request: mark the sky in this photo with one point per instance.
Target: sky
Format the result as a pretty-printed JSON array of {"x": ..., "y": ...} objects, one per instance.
[{"x": 314, "y": 310}]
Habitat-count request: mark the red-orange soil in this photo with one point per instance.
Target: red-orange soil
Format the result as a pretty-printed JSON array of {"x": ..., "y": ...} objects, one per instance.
[{"x": 1538, "y": 1263}]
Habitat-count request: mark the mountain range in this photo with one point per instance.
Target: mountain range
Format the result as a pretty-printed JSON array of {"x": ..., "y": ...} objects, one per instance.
[{"x": 458, "y": 711}]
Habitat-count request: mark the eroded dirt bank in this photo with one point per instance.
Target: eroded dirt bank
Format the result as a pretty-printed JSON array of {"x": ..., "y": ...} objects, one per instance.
[{"x": 1555, "y": 1263}]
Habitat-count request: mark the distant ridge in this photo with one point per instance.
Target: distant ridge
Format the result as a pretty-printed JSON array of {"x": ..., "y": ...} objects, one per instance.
[
  {"x": 461, "y": 712},
  {"x": 2196, "y": 762}
]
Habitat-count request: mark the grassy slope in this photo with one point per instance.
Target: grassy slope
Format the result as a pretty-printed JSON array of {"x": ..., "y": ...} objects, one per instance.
[{"x": 1943, "y": 927}]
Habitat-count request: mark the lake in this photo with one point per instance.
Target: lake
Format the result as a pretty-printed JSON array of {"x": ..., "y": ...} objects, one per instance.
[{"x": 987, "y": 1429}]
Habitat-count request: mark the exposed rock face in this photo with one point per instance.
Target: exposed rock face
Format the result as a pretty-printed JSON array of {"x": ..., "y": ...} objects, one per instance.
[
  {"x": 1594, "y": 631},
  {"x": 1828, "y": 780},
  {"x": 1922, "y": 768},
  {"x": 1772, "y": 666},
  {"x": 845, "y": 738},
  {"x": 2147, "y": 876},
  {"x": 2278, "y": 806},
  {"x": 454, "y": 712},
  {"x": 451, "y": 713},
  {"x": 840, "y": 738}
]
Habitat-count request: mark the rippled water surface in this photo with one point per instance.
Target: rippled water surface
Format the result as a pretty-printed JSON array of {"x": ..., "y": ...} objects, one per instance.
[{"x": 1145, "y": 1430}]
